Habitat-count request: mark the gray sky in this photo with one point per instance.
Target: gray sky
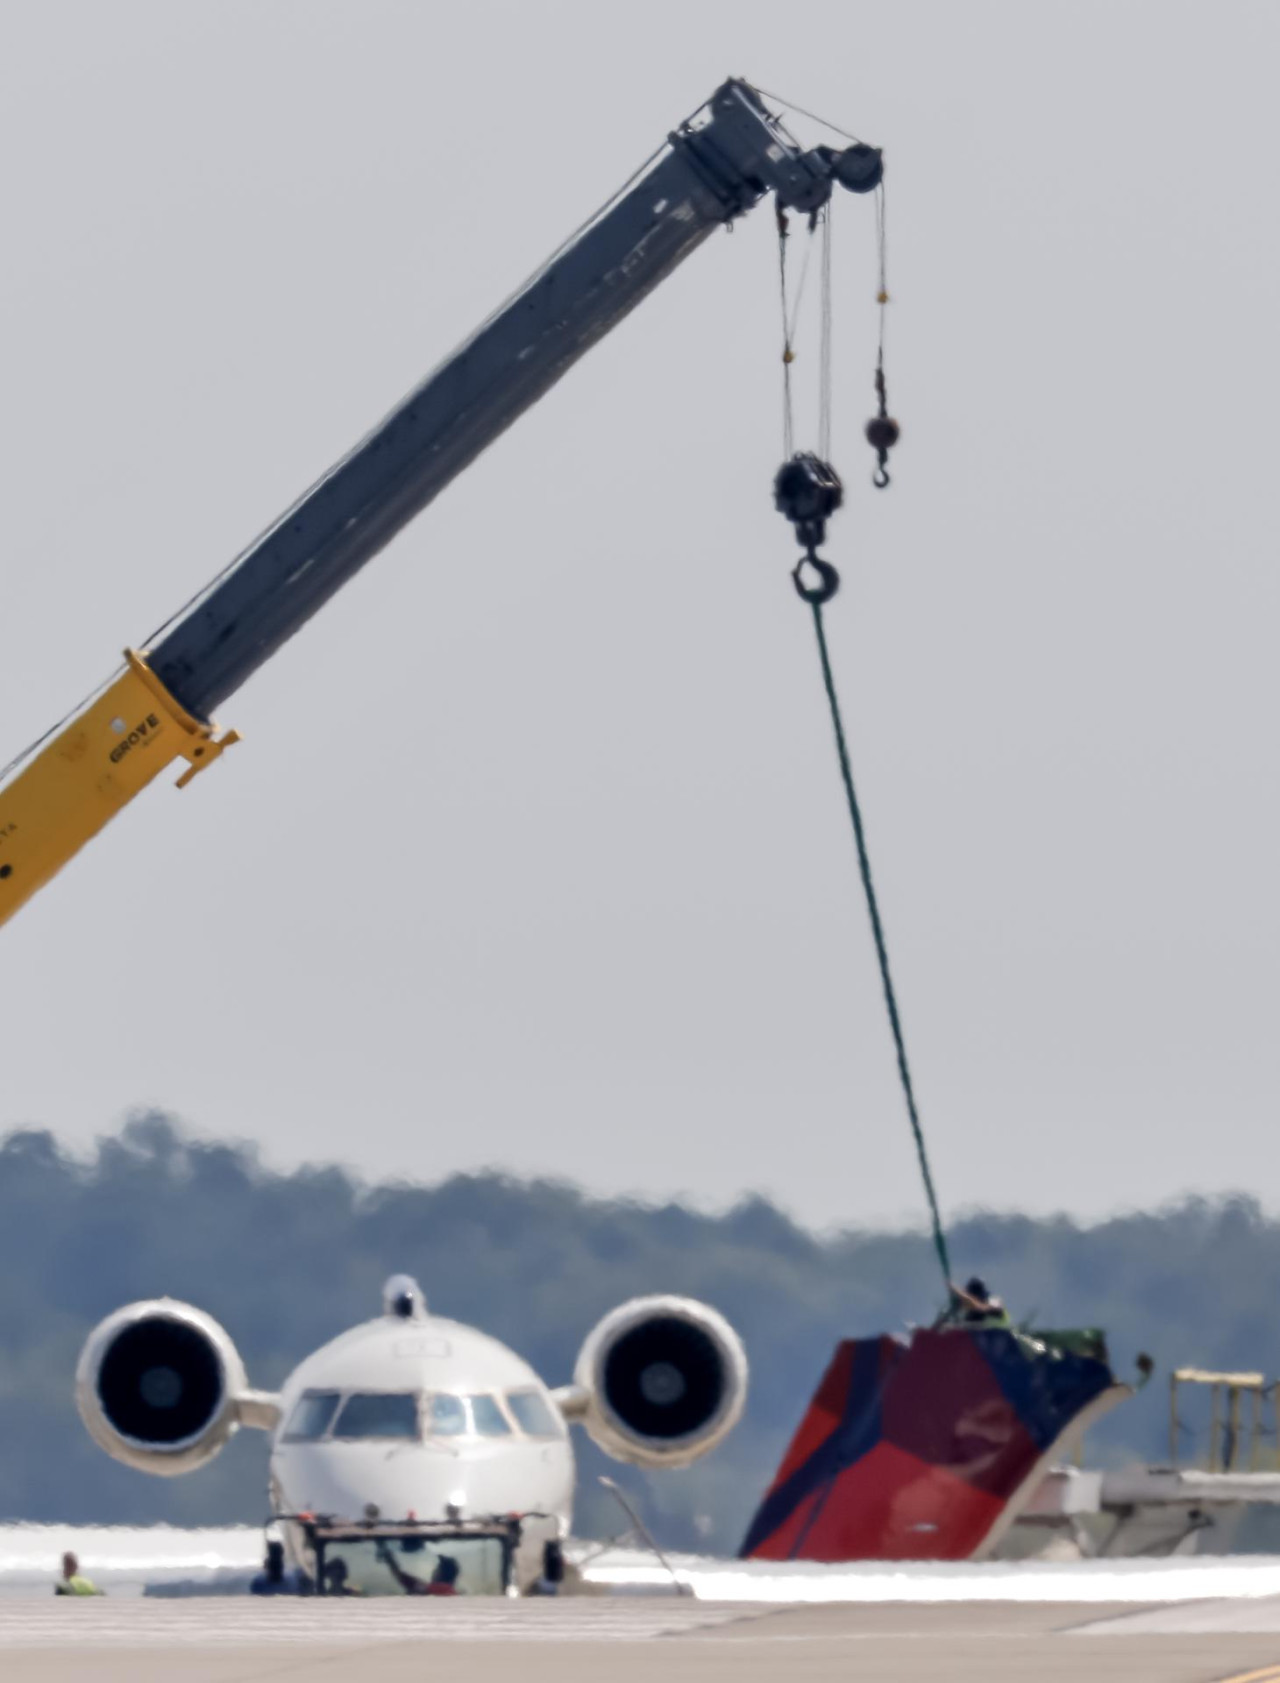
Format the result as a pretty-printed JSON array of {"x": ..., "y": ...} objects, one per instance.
[{"x": 535, "y": 854}]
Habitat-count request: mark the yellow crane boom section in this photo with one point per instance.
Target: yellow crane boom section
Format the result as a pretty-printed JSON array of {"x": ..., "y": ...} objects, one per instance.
[
  {"x": 78, "y": 780},
  {"x": 712, "y": 170}
]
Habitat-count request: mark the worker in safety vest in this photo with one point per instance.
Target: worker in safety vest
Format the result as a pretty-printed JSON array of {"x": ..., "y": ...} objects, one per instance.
[{"x": 71, "y": 1583}]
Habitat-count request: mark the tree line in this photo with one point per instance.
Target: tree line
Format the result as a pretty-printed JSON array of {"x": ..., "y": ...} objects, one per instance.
[{"x": 287, "y": 1260}]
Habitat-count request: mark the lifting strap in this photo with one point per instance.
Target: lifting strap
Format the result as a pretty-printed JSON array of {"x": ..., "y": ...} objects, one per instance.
[{"x": 815, "y": 599}]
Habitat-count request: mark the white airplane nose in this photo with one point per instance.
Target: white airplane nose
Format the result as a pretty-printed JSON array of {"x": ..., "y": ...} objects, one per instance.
[{"x": 344, "y": 1478}]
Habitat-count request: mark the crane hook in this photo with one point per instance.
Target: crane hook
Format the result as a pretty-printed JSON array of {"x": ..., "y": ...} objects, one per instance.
[{"x": 828, "y": 579}]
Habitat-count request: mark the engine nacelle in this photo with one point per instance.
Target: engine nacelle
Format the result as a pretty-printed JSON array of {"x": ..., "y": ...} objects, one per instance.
[
  {"x": 660, "y": 1381},
  {"x": 158, "y": 1385}
]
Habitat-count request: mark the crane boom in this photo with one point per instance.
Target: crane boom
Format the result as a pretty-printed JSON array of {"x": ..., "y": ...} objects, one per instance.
[{"x": 159, "y": 709}]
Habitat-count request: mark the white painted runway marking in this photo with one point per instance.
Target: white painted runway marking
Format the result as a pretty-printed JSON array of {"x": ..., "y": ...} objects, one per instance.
[{"x": 225, "y": 1621}]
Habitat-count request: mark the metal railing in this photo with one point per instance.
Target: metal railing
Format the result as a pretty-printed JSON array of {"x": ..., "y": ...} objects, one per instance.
[{"x": 1241, "y": 1434}]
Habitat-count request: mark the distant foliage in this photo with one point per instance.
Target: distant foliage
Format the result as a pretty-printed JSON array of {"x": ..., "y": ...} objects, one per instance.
[{"x": 285, "y": 1261}]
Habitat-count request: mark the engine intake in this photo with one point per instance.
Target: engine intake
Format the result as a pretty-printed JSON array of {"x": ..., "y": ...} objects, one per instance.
[
  {"x": 158, "y": 1386},
  {"x": 660, "y": 1381}
]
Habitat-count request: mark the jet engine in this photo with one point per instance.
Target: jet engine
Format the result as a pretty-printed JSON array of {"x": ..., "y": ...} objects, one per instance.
[
  {"x": 160, "y": 1386},
  {"x": 659, "y": 1382}
]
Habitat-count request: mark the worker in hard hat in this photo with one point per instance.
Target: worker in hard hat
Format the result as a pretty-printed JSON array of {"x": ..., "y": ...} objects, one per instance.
[{"x": 71, "y": 1582}]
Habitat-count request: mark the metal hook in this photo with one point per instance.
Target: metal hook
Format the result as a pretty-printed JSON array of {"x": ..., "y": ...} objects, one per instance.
[
  {"x": 828, "y": 580},
  {"x": 880, "y": 478}
]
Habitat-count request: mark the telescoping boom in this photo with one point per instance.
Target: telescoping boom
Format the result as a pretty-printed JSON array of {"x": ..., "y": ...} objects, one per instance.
[{"x": 159, "y": 709}]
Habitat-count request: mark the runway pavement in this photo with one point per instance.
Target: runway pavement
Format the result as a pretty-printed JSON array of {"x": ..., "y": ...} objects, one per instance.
[{"x": 633, "y": 1640}]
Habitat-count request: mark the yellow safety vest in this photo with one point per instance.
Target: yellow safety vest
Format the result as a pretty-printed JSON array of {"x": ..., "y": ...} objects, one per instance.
[{"x": 77, "y": 1586}]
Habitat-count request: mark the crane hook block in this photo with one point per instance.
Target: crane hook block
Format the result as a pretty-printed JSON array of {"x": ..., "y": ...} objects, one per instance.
[
  {"x": 883, "y": 432},
  {"x": 807, "y": 491}
]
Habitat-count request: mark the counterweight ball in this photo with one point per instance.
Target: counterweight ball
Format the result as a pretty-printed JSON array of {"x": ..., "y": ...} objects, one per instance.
[{"x": 882, "y": 432}]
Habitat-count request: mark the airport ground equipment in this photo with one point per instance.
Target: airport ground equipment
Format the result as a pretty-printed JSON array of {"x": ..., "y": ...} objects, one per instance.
[
  {"x": 485, "y": 1550},
  {"x": 159, "y": 709}
]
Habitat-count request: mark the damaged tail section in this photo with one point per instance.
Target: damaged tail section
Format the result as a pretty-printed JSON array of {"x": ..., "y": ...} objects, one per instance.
[{"x": 929, "y": 1448}]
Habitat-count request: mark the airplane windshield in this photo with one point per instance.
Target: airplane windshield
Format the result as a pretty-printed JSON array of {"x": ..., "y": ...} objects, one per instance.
[
  {"x": 383, "y": 1414},
  {"x": 490, "y": 1421},
  {"x": 378, "y": 1414},
  {"x": 458, "y": 1417},
  {"x": 312, "y": 1417},
  {"x": 532, "y": 1414},
  {"x": 414, "y": 1566},
  {"x": 446, "y": 1417}
]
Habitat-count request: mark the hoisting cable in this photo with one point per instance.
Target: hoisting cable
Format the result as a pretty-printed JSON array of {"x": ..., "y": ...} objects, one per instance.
[
  {"x": 883, "y": 431},
  {"x": 808, "y": 491},
  {"x": 788, "y": 354},
  {"x": 824, "y": 349},
  {"x": 812, "y": 116}
]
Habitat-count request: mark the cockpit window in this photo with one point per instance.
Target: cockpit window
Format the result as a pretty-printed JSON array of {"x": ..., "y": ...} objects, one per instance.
[
  {"x": 446, "y": 1417},
  {"x": 490, "y": 1421},
  {"x": 378, "y": 1415},
  {"x": 312, "y": 1417},
  {"x": 466, "y": 1417},
  {"x": 532, "y": 1414}
]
